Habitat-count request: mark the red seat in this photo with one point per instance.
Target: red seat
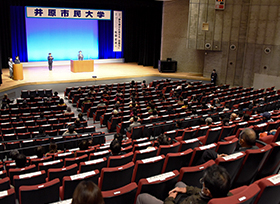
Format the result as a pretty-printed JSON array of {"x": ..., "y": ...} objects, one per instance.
[
  {"x": 119, "y": 160},
  {"x": 93, "y": 165},
  {"x": 46, "y": 192},
  {"x": 115, "y": 177},
  {"x": 8, "y": 196},
  {"x": 172, "y": 148},
  {"x": 50, "y": 164},
  {"x": 145, "y": 153},
  {"x": 198, "y": 152},
  {"x": 61, "y": 172},
  {"x": 4, "y": 184},
  {"x": 227, "y": 147},
  {"x": 125, "y": 194},
  {"x": 28, "y": 169},
  {"x": 98, "y": 155},
  {"x": 246, "y": 196},
  {"x": 75, "y": 160}
]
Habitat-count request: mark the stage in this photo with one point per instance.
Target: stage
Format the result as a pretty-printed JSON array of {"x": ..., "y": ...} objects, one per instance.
[{"x": 38, "y": 73}]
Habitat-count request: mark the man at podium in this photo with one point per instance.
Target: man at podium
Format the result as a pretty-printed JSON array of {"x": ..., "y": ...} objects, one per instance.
[
  {"x": 50, "y": 61},
  {"x": 80, "y": 56}
]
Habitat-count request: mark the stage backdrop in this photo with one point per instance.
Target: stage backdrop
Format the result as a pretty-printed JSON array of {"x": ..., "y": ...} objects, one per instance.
[{"x": 62, "y": 36}]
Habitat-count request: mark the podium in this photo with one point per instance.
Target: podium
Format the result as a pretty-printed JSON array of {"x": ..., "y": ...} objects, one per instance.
[
  {"x": 82, "y": 66},
  {"x": 18, "y": 71},
  {"x": 167, "y": 66}
]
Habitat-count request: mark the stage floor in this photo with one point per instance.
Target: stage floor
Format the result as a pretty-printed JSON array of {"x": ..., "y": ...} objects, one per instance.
[{"x": 63, "y": 74}]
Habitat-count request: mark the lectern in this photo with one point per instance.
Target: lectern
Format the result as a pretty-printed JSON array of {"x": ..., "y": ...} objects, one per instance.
[
  {"x": 18, "y": 72},
  {"x": 82, "y": 65}
]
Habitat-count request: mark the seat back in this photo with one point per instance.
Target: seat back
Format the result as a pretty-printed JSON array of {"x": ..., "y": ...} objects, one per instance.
[
  {"x": 154, "y": 164},
  {"x": 191, "y": 175},
  {"x": 213, "y": 135},
  {"x": 51, "y": 164},
  {"x": 231, "y": 163},
  {"x": 270, "y": 188},
  {"x": 98, "y": 155},
  {"x": 41, "y": 160},
  {"x": 8, "y": 196},
  {"x": 4, "y": 184},
  {"x": 251, "y": 165},
  {"x": 198, "y": 152},
  {"x": 82, "y": 152},
  {"x": 115, "y": 177},
  {"x": 61, "y": 172},
  {"x": 188, "y": 144},
  {"x": 143, "y": 145},
  {"x": 144, "y": 153},
  {"x": 69, "y": 183},
  {"x": 28, "y": 169},
  {"x": 175, "y": 161},
  {"x": 161, "y": 182},
  {"x": 247, "y": 196},
  {"x": 120, "y": 160},
  {"x": 272, "y": 162},
  {"x": 93, "y": 165},
  {"x": 125, "y": 194},
  {"x": 76, "y": 160},
  {"x": 136, "y": 132},
  {"x": 226, "y": 147},
  {"x": 29, "y": 179},
  {"x": 227, "y": 131},
  {"x": 172, "y": 148},
  {"x": 47, "y": 192}
]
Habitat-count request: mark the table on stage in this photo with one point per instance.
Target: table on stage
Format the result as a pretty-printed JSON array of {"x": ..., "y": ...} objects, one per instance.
[
  {"x": 18, "y": 72},
  {"x": 82, "y": 65}
]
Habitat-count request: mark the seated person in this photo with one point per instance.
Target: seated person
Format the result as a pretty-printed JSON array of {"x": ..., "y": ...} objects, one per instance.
[
  {"x": 215, "y": 184},
  {"x": 13, "y": 154},
  {"x": 119, "y": 137},
  {"x": 80, "y": 116},
  {"x": 68, "y": 112},
  {"x": 178, "y": 124},
  {"x": 20, "y": 161},
  {"x": 61, "y": 102},
  {"x": 133, "y": 124},
  {"x": 266, "y": 117},
  {"x": 42, "y": 117},
  {"x": 52, "y": 149},
  {"x": 101, "y": 103},
  {"x": 115, "y": 148},
  {"x": 40, "y": 151},
  {"x": 163, "y": 140},
  {"x": 83, "y": 145},
  {"x": 233, "y": 117},
  {"x": 77, "y": 123},
  {"x": 246, "y": 117},
  {"x": 208, "y": 121},
  {"x": 41, "y": 133},
  {"x": 5, "y": 102},
  {"x": 247, "y": 140},
  {"x": 70, "y": 131},
  {"x": 154, "y": 114},
  {"x": 225, "y": 122}
]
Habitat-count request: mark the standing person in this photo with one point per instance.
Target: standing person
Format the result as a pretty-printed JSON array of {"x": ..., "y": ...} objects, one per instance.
[
  {"x": 10, "y": 63},
  {"x": 17, "y": 61},
  {"x": 80, "y": 56},
  {"x": 214, "y": 77},
  {"x": 50, "y": 61}
]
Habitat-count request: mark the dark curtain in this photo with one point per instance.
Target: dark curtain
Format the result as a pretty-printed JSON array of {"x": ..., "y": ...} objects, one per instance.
[
  {"x": 142, "y": 37},
  {"x": 105, "y": 40},
  {"x": 18, "y": 33}
]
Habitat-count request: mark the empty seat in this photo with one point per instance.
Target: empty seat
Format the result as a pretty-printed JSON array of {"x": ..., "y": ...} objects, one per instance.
[
  {"x": 8, "y": 196},
  {"x": 93, "y": 165},
  {"x": 191, "y": 175},
  {"x": 4, "y": 184},
  {"x": 28, "y": 169},
  {"x": 76, "y": 160},
  {"x": 226, "y": 147},
  {"x": 61, "y": 172},
  {"x": 147, "y": 167},
  {"x": 172, "y": 148},
  {"x": 120, "y": 160},
  {"x": 175, "y": 161},
  {"x": 246, "y": 196},
  {"x": 98, "y": 155},
  {"x": 163, "y": 183},
  {"x": 115, "y": 177},
  {"x": 144, "y": 153},
  {"x": 143, "y": 145},
  {"x": 125, "y": 194},
  {"x": 187, "y": 144},
  {"x": 38, "y": 194},
  {"x": 50, "y": 164},
  {"x": 70, "y": 182}
]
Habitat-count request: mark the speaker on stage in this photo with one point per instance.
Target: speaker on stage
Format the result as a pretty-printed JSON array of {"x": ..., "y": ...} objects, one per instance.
[{"x": 167, "y": 66}]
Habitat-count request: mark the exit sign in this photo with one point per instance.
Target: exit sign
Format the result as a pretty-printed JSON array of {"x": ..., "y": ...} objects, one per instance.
[{"x": 220, "y": 5}]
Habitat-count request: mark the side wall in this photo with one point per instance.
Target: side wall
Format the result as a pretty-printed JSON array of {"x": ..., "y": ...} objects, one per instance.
[{"x": 174, "y": 37}]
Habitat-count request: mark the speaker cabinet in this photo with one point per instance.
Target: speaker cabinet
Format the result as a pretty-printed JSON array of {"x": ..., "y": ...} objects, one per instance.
[{"x": 167, "y": 66}]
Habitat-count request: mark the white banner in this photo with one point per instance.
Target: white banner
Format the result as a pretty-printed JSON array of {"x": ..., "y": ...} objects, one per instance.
[
  {"x": 117, "y": 38},
  {"x": 43, "y": 12}
]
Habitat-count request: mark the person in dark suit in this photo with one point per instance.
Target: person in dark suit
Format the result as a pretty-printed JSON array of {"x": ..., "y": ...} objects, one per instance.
[
  {"x": 80, "y": 56},
  {"x": 214, "y": 77},
  {"x": 10, "y": 63},
  {"x": 17, "y": 61},
  {"x": 50, "y": 61}
]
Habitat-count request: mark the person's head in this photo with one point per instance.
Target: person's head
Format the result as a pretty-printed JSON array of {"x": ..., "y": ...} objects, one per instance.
[
  {"x": 215, "y": 182},
  {"x": 17, "y": 57},
  {"x": 115, "y": 112},
  {"x": 50, "y": 54},
  {"x": 144, "y": 81},
  {"x": 41, "y": 130},
  {"x": 13, "y": 154},
  {"x": 247, "y": 138},
  {"x": 214, "y": 70},
  {"x": 115, "y": 147},
  {"x": 80, "y": 116},
  {"x": 11, "y": 59},
  {"x": 68, "y": 109},
  {"x": 266, "y": 115},
  {"x": 53, "y": 147},
  {"x": 233, "y": 116},
  {"x": 225, "y": 121},
  {"x": 135, "y": 118},
  {"x": 240, "y": 114},
  {"x": 246, "y": 117},
  {"x": 40, "y": 151},
  {"x": 163, "y": 140},
  {"x": 83, "y": 145},
  {"x": 178, "y": 124},
  {"x": 154, "y": 113},
  {"x": 5, "y": 96},
  {"x": 87, "y": 192},
  {"x": 55, "y": 93},
  {"x": 208, "y": 121},
  {"x": 61, "y": 101},
  {"x": 21, "y": 160},
  {"x": 119, "y": 137},
  {"x": 80, "y": 52},
  {"x": 71, "y": 129}
]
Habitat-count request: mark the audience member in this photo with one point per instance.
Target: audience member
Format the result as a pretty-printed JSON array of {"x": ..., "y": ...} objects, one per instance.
[
  {"x": 41, "y": 133},
  {"x": 20, "y": 161},
  {"x": 83, "y": 145},
  {"x": 153, "y": 115},
  {"x": 70, "y": 131},
  {"x": 81, "y": 117},
  {"x": 233, "y": 117},
  {"x": 13, "y": 154},
  {"x": 225, "y": 122},
  {"x": 133, "y": 124},
  {"x": 246, "y": 117},
  {"x": 5, "y": 102},
  {"x": 163, "y": 140},
  {"x": 77, "y": 123},
  {"x": 87, "y": 192},
  {"x": 68, "y": 112},
  {"x": 119, "y": 137},
  {"x": 52, "y": 149},
  {"x": 42, "y": 116},
  {"x": 215, "y": 182},
  {"x": 208, "y": 121},
  {"x": 266, "y": 117},
  {"x": 40, "y": 151},
  {"x": 115, "y": 148}
]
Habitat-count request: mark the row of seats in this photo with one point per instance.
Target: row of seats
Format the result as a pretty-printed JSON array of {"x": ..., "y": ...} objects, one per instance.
[{"x": 37, "y": 92}]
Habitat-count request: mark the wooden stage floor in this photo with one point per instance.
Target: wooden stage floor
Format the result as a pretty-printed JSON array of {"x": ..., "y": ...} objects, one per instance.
[{"x": 63, "y": 74}]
